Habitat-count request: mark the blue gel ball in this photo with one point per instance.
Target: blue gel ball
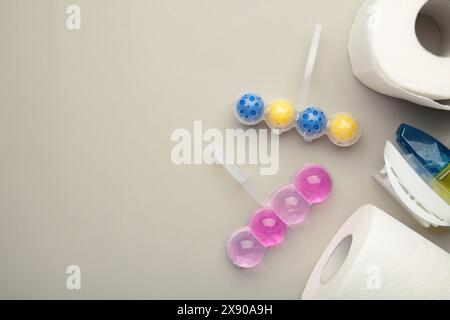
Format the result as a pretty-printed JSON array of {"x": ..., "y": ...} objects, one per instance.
[
  {"x": 250, "y": 108},
  {"x": 312, "y": 122}
]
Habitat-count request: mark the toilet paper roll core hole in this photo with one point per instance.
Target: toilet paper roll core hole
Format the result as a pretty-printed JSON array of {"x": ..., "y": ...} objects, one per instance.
[
  {"x": 336, "y": 259},
  {"x": 433, "y": 27}
]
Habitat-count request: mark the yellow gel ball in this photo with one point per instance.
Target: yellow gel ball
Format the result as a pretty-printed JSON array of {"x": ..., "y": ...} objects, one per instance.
[
  {"x": 344, "y": 130},
  {"x": 281, "y": 114}
]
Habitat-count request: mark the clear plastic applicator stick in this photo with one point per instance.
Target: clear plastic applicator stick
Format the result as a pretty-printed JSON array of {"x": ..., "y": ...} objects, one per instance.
[
  {"x": 240, "y": 175},
  {"x": 309, "y": 66}
]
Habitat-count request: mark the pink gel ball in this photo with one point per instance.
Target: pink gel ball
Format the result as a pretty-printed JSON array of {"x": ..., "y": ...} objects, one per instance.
[
  {"x": 314, "y": 183},
  {"x": 267, "y": 227},
  {"x": 290, "y": 206},
  {"x": 244, "y": 250}
]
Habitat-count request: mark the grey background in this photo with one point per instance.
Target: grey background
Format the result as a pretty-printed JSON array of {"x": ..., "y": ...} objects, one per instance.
[{"x": 85, "y": 124}]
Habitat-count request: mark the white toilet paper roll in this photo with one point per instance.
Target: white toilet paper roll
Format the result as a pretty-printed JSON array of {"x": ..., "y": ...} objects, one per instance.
[
  {"x": 387, "y": 49},
  {"x": 373, "y": 256}
]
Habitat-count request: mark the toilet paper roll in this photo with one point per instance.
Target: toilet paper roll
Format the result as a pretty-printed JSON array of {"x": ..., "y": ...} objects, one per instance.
[
  {"x": 373, "y": 256},
  {"x": 388, "y": 49}
]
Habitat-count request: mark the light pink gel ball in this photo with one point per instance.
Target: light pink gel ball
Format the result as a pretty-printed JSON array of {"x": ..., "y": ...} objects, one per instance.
[
  {"x": 314, "y": 183},
  {"x": 244, "y": 250},
  {"x": 267, "y": 227},
  {"x": 290, "y": 206}
]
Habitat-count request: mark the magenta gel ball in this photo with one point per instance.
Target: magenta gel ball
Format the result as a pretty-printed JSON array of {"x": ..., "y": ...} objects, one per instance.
[
  {"x": 244, "y": 250},
  {"x": 290, "y": 206},
  {"x": 314, "y": 183},
  {"x": 267, "y": 227}
]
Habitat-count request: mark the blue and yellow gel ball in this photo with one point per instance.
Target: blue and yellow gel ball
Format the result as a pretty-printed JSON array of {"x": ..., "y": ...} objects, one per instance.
[
  {"x": 250, "y": 109},
  {"x": 281, "y": 114},
  {"x": 344, "y": 129},
  {"x": 312, "y": 123}
]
